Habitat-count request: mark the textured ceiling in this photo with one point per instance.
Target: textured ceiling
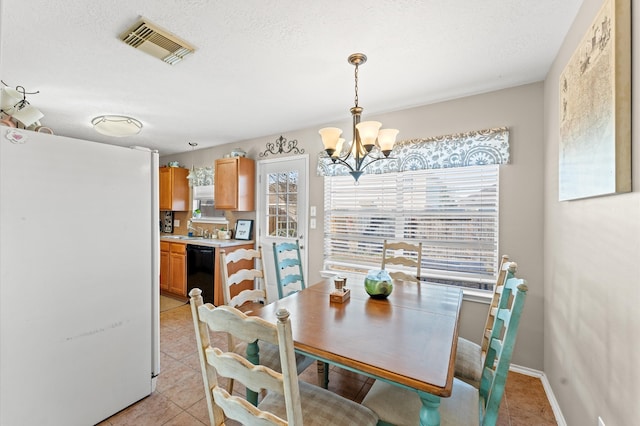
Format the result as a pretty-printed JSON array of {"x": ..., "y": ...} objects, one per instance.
[{"x": 266, "y": 67}]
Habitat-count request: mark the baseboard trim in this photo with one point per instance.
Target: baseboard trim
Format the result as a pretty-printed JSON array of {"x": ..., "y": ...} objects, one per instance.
[{"x": 547, "y": 389}]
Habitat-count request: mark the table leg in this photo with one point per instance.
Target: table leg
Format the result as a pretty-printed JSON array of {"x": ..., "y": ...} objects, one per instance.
[
  {"x": 253, "y": 355},
  {"x": 429, "y": 413},
  {"x": 323, "y": 374}
]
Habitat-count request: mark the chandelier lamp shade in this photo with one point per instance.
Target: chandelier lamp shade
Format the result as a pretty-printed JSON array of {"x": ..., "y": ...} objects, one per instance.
[
  {"x": 116, "y": 125},
  {"x": 369, "y": 143}
]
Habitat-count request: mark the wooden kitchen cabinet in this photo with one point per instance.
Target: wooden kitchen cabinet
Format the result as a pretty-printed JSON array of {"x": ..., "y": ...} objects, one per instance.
[
  {"x": 178, "y": 262},
  {"x": 173, "y": 268},
  {"x": 174, "y": 189},
  {"x": 165, "y": 272},
  {"x": 235, "y": 184}
]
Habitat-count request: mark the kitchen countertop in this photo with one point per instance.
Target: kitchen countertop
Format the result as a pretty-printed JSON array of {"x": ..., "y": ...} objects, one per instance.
[{"x": 210, "y": 242}]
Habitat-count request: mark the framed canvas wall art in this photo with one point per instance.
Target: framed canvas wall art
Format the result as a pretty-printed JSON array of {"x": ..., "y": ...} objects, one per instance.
[{"x": 595, "y": 108}]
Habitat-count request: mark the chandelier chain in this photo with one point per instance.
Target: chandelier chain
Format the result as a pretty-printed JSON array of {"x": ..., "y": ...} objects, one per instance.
[{"x": 355, "y": 73}]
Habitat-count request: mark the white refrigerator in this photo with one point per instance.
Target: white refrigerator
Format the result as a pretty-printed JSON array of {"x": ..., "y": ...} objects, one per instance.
[{"x": 79, "y": 278}]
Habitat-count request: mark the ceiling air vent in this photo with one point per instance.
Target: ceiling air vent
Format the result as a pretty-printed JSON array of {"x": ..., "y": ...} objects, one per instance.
[{"x": 157, "y": 42}]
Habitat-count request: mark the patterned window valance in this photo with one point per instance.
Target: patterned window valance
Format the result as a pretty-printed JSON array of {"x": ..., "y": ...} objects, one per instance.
[
  {"x": 490, "y": 146},
  {"x": 200, "y": 176}
]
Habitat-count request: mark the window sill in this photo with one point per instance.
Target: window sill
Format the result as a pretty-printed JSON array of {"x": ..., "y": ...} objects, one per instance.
[
  {"x": 468, "y": 294},
  {"x": 477, "y": 296},
  {"x": 220, "y": 220}
]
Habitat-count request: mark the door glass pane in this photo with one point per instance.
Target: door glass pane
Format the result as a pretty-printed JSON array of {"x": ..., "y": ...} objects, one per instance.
[{"x": 282, "y": 193}]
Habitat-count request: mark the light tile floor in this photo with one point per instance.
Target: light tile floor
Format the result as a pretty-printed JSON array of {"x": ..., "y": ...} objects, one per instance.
[{"x": 179, "y": 397}]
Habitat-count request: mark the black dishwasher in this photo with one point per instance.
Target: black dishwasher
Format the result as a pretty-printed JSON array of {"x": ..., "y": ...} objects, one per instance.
[{"x": 200, "y": 268}]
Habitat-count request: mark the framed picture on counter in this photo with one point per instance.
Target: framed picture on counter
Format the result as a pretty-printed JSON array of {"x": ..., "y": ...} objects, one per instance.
[{"x": 243, "y": 229}]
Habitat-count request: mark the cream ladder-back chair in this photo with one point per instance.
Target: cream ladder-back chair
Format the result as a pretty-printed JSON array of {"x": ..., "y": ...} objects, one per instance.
[
  {"x": 466, "y": 405},
  {"x": 391, "y": 256},
  {"x": 243, "y": 277},
  {"x": 286, "y": 257},
  {"x": 470, "y": 355},
  {"x": 287, "y": 401}
]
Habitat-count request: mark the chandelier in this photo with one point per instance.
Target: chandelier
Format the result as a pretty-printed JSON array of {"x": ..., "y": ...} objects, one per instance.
[{"x": 369, "y": 143}]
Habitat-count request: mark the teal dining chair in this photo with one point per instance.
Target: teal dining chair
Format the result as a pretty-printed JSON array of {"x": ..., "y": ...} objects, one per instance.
[
  {"x": 470, "y": 355},
  {"x": 290, "y": 279},
  {"x": 286, "y": 257},
  {"x": 466, "y": 405}
]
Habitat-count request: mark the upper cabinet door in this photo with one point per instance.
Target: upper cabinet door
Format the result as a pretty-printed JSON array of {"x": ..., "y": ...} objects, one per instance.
[
  {"x": 235, "y": 184},
  {"x": 174, "y": 189}
]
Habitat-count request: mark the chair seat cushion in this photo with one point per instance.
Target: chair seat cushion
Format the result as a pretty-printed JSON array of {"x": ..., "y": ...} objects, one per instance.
[
  {"x": 270, "y": 356},
  {"x": 321, "y": 407},
  {"x": 468, "y": 366},
  {"x": 401, "y": 407}
]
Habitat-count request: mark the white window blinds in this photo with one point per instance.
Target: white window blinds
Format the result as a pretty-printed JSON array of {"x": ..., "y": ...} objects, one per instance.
[{"x": 453, "y": 211}]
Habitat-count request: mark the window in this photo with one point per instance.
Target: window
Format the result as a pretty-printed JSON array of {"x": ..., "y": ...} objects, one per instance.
[
  {"x": 453, "y": 211},
  {"x": 282, "y": 193}
]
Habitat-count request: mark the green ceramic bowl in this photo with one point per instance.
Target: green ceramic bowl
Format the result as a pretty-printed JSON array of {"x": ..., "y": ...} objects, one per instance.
[{"x": 378, "y": 284}]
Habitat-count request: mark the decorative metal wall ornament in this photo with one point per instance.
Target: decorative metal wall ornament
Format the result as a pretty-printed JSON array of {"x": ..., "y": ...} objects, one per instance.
[
  {"x": 475, "y": 148},
  {"x": 282, "y": 146}
]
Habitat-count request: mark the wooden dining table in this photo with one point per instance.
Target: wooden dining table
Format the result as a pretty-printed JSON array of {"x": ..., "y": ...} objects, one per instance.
[{"x": 408, "y": 339}]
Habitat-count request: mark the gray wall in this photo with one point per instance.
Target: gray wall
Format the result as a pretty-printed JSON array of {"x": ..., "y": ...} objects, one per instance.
[
  {"x": 581, "y": 325},
  {"x": 521, "y": 188},
  {"x": 592, "y": 270}
]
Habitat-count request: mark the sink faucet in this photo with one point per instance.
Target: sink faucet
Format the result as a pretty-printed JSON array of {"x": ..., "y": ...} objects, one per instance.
[{"x": 201, "y": 231}]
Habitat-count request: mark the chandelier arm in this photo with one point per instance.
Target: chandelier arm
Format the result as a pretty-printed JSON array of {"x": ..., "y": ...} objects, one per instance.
[
  {"x": 341, "y": 158},
  {"x": 359, "y": 159},
  {"x": 335, "y": 161},
  {"x": 360, "y": 165},
  {"x": 376, "y": 159}
]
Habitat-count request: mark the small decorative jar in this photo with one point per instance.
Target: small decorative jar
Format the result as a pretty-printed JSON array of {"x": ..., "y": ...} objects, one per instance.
[
  {"x": 224, "y": 234},
  {"x": 339, "y": 283}
]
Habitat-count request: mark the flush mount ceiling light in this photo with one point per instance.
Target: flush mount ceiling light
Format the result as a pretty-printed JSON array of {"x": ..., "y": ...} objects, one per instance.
[
  {"x": 116, "y": 125},
  {"x": 369, "y": 141}
]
